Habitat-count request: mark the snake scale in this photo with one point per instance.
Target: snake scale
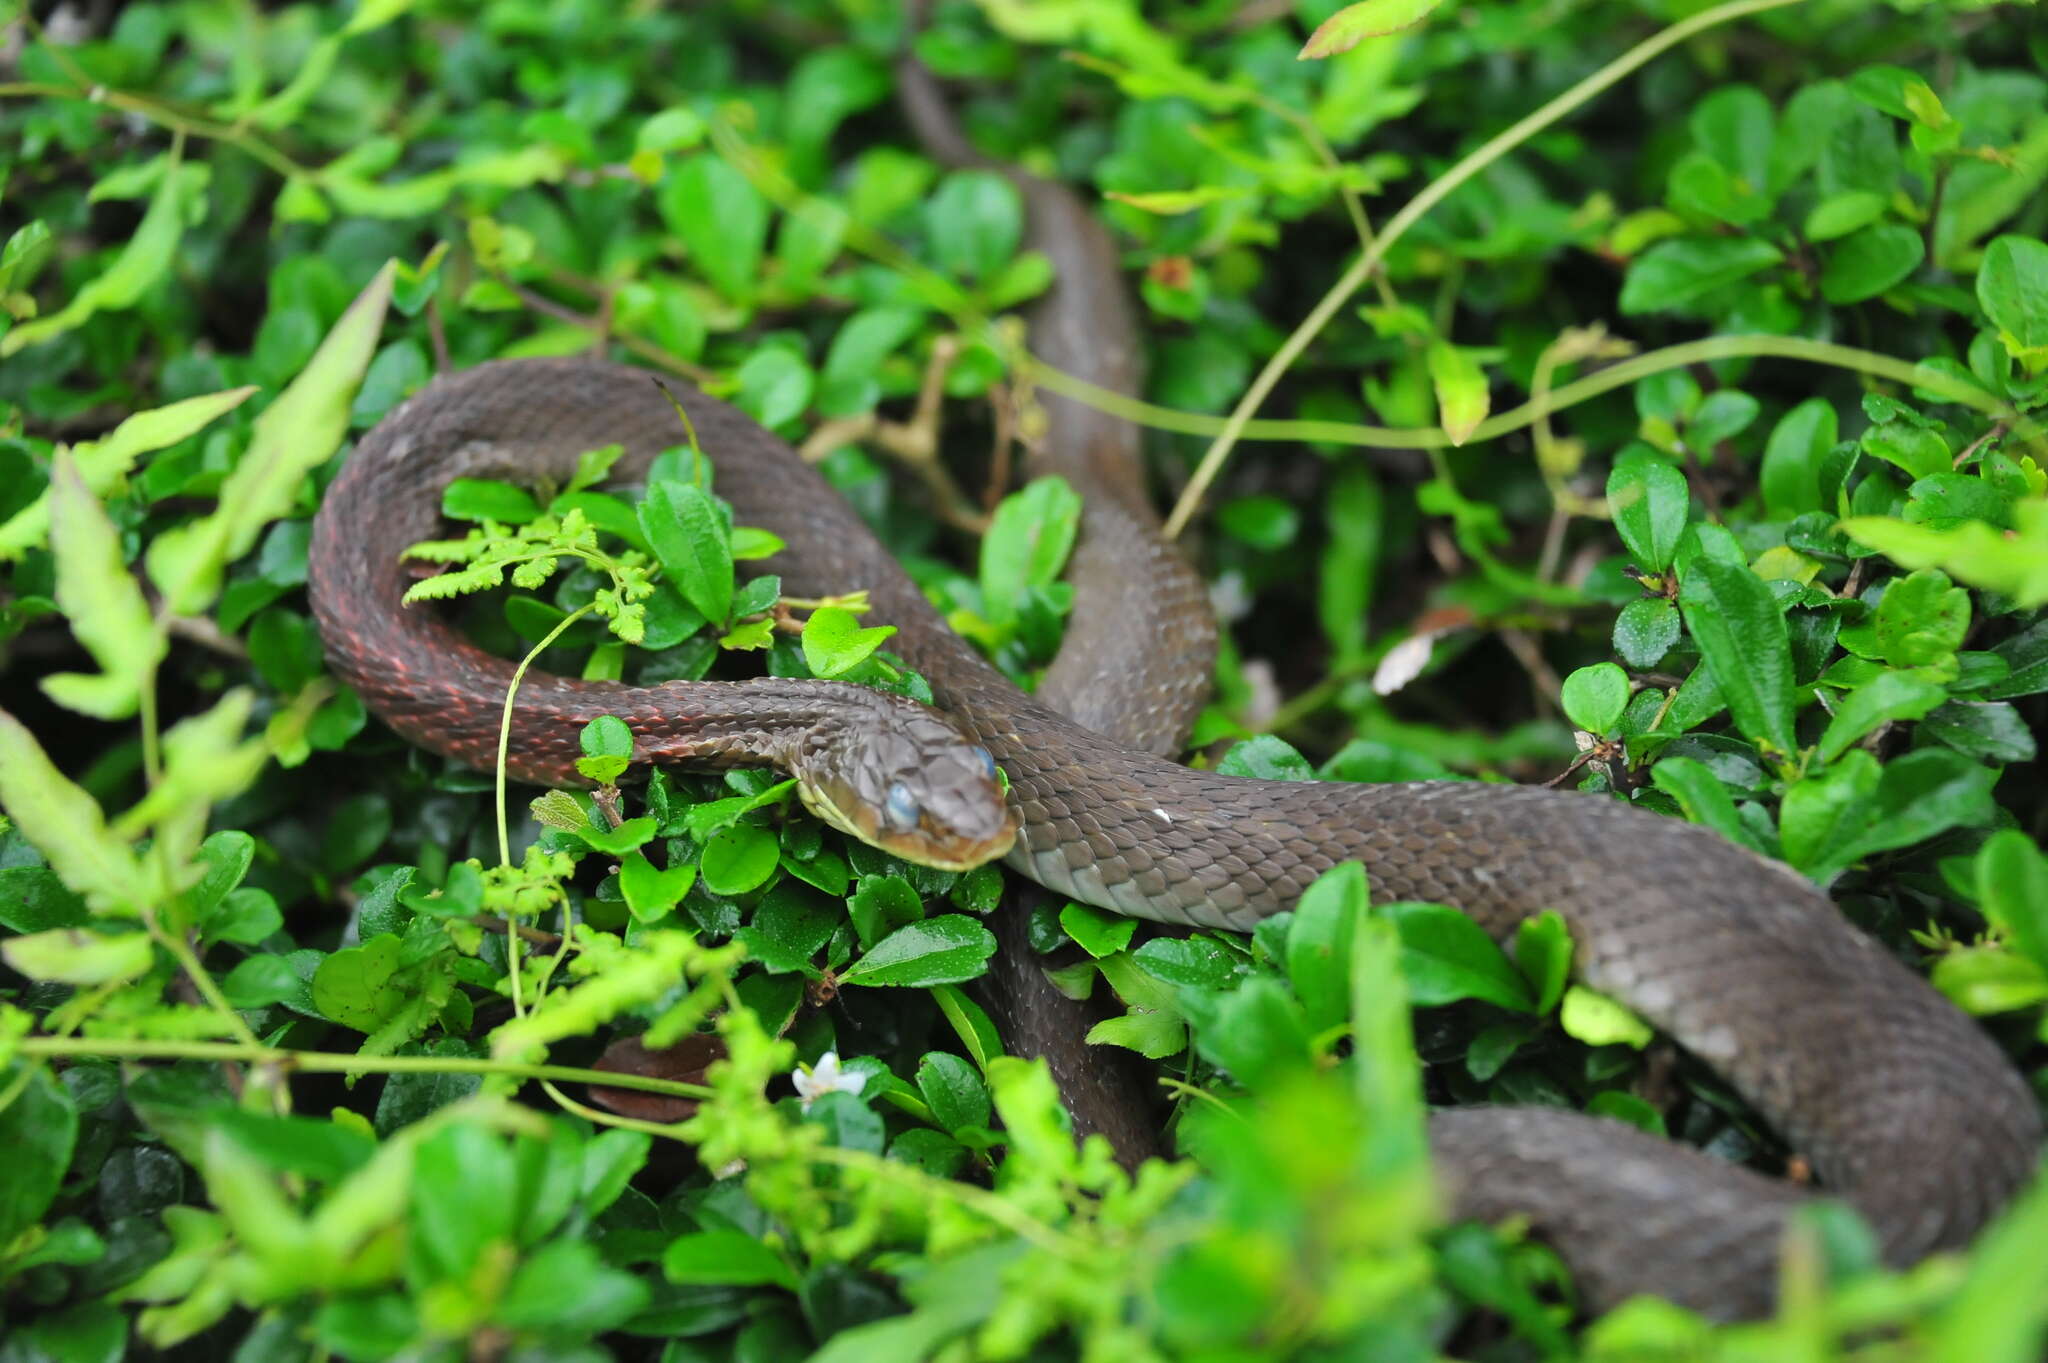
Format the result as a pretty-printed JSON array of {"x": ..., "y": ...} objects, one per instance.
[{"x": 1901, "y": 1105}]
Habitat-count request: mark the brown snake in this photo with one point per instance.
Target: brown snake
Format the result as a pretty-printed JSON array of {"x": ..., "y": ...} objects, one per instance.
[{"x": 1901, "y": 1104}]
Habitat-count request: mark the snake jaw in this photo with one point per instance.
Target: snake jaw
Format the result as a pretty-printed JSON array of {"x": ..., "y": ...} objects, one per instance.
[{"x": 930, "y": 843}]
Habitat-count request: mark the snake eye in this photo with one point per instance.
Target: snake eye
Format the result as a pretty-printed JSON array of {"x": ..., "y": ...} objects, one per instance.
[
  {"x": 988, "y": 762},
  {"x": 900, "y": 808}
]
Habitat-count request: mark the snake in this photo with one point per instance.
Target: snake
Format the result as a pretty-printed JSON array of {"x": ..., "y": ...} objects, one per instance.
[{"x": 1899, "y": 1104}]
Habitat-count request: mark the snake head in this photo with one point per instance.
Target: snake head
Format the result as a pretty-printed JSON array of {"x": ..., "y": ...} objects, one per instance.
[{"x": 909, "y": 781}]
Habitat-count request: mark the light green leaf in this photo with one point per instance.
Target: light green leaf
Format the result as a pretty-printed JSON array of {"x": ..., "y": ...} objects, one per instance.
[
  {"x": 1461, "y": 396},
  {"x": 78, "y": 956},
  {"x": 102, "y": 603},
  {"x": 142, "y": 262},
  {"x": 295, "y": 435},
  {"x": 102, "y": 463},
  {"x": 1598, "y": 1020},
  {"x": 1353, "y": 24},
  {"x": 66, "y": 825}
]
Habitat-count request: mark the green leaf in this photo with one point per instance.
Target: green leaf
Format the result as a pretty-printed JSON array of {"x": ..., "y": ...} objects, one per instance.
[
  {"x": 295, "y": 435},
  {"x": 1265, "y": 757},
  {"x": 67, "y": 826},
  {"x": 1922, "y": 620},
  {"x": 1319, "y": 942},
  {"x": 1027, "y": 545},
  {"x": 1595, "y": 697},
  {"x": 1353, "y": 24},
  {"x": 953, "y": 1091},
  {"x": 142, "y": 262},
  {"x": 32, "y": 899},
  {"x": 1834, "y": 818},
  {"x": 1704, "y": 799},
  {"x": 357, "y": 986},
  {"x": 1840, "y": 214},
  {"x": 631, "y": 834},
  {"x": 2012, "y": 288},
  {"x": 775, "y": 386},
  {"x": 1991, "y": 731},
  {"x": 1645, "y": 631},
  {"x": 1543, "y": 952},
  {"x": 1263, "y": 522},
  {"x": 1599, "y": 1020},
  {"x": 1741, "y": 633},
  {"x": 835, "y": 642},
  {"x": 971, "y": 1022},
  {"x": 1649, "y": 499},
  {"x": 1673, "y": 274},
  {"x": 1462, "y": 398},
  {"x": 850, "y": 383},
  {"x": 80, "y": 956},
  {"x": 104, "y": 462},
  {"x": 1866, "y": 263},
  {"x": 942, "y": 950},
  {"x": 1887, "y": 699},
  {"x": 2012, "y": 890},
  {"x": 739, "y": 859},
  {"x": 1099, "y": 932},
  {"x": 722, "y": 221},
  {"x": 1985, "y": 980},
  {"x": 792, "y": 925},
  {"x": 689, "y": 537},
  {"x": 1790, "y": 477},
  {"x": 488, "y": 499},
  {"x": 101, "y": 602},
  {"x": 2013, "y": 562},
  {"x": 651, "y": 893},
  {"x": 1199, "y": 961},
  {"x": 974, "y": 219},
  {"x": 1445, "y": 956},
  {"x": 38, "y": 1130}
]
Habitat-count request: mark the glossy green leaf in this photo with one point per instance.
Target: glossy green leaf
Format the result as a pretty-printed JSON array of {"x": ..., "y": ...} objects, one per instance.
[
  {"x": 942, "y": 950},
  {"x": 1741, "y": 632},
  {"x": 1649, "y": 500}
]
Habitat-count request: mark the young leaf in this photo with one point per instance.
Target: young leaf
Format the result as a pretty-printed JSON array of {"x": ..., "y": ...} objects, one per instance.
[
  {"x": 1353, "y": 24},
  {"x": 295, "y": 435},
  {"x": 1461, "y": 394},
  {"x": 142, "y": 262},
  {"x": 66, "y": 825},
  {"x": 1595, "y": 697},
  {"x": 835, "y": 643},
  {"x": 101, "y": 601}
]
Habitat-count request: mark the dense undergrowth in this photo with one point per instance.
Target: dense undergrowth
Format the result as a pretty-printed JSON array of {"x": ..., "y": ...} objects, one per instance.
[{"x": 1704, "y": 468}]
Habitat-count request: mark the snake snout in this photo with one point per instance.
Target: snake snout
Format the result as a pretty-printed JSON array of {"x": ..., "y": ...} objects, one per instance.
[{"x": 913, "y": 784}]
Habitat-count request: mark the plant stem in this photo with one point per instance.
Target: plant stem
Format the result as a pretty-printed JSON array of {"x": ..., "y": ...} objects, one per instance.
[
  {"x": 1412, "y": 212},
  {"x": 324, "y": 1062}
]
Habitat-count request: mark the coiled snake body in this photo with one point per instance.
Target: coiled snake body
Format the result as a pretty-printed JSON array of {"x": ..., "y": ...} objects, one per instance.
[{"x": 1899, "y": 1102}]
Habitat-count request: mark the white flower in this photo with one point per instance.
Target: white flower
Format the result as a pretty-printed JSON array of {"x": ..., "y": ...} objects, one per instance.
[{"x": 826, "y": 1077}]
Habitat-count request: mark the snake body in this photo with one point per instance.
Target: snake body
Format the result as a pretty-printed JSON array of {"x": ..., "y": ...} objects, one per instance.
[{"x": 1900, "y": 1103}]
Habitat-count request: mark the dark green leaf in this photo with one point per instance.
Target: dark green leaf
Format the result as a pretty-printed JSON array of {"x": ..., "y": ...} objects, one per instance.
[
  {"x": 942, "y": 950},
  {"x": 689, "y": 537}
]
